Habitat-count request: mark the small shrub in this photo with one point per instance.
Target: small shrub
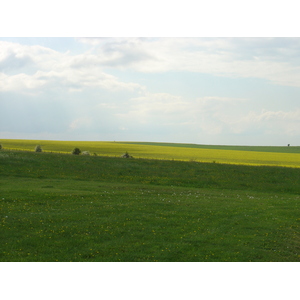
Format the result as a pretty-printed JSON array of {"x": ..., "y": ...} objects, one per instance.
[
  {"x": 38, "y": 148},
  {"x": 76, "y": 151},
  {"x": 126, "y": 155},
  {"x": 0, "y": 146}
]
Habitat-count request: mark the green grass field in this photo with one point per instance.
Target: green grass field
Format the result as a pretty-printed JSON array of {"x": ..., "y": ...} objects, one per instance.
[{"x": 58, "y": 207}]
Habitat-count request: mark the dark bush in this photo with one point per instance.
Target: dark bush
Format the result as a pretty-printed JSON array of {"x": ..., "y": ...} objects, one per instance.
[
  {"x": 38, "y": 148},
  {"x": 126, "y": 155},
  {"x": 76, "y": 151}
]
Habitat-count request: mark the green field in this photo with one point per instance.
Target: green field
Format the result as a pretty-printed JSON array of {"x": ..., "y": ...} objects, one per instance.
[{"x": 58, "y": 207}]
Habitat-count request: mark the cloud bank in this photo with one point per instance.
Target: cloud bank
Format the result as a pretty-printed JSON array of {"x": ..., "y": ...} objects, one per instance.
[
  {"x": 45, "y": 93},
  {"x": 274, "y": 59}
]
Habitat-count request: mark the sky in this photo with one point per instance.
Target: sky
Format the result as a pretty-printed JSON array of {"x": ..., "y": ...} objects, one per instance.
[{"x": 210, "y": 90}]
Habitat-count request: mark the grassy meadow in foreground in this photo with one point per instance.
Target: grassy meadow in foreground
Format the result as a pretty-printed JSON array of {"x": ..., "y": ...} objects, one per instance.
[
  {"x": 273, "y": 156},
  {"x": 58, "y": 207}
]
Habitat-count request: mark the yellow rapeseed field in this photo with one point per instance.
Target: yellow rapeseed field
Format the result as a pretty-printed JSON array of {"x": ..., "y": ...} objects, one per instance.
[{"x": 116, "y": 149}]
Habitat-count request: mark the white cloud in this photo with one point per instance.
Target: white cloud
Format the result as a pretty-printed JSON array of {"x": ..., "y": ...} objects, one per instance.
[
  {"x": 208, "y": 117},
  {"x": 154, "y": 109},
  {"x": 50, "y": 68},
  {"x": 170, "y": 113},
  {"x": 273, "y": 122},
  {"x": 19, "y": 82},
  {"x": 31, "y": 67},
  {"x": 84, "y": 122},
  {"x": 274, "y": 59}
]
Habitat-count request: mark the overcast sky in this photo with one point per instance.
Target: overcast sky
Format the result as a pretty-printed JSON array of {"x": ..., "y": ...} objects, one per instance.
[{"x": 241, "y": 91}]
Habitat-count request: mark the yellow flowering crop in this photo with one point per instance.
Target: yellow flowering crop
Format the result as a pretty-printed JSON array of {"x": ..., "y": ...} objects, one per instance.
[{"x": 161, "y": 152}]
